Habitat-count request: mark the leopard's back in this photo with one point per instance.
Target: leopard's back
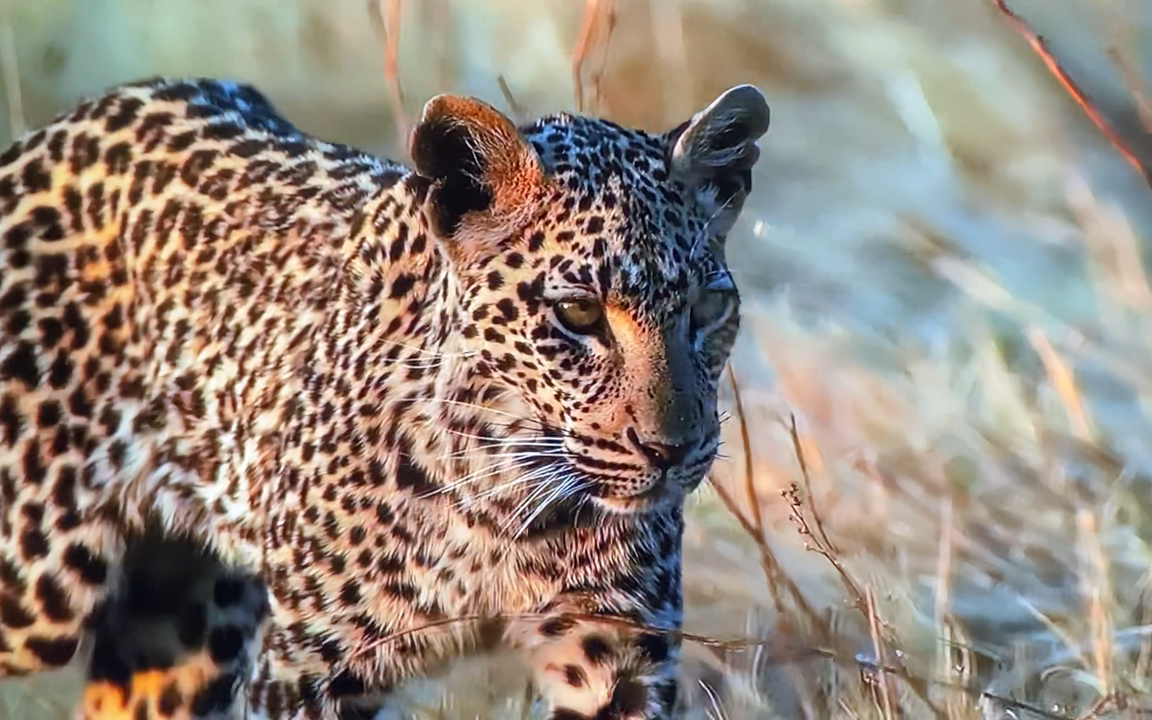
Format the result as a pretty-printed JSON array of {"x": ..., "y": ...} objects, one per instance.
[{"x": 167, "y": 250}]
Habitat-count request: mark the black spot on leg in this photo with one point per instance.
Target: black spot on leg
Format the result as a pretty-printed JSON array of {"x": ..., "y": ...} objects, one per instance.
[
  {"x": 193, "y": 626},
  {"x": 225, "y": 644},
  {"x": 575, "y": 676},
  {"x": 215, "y": 697},
  {"x": 53, "y": 652},
  {"x": 33, "y": 544},
  {"x": 653, "y": 646},
  {"x": 11, "y": 420},
  {"x": 227, "y": 592},
  {"x": 345, "y": 684},
  {"x": 92, "y": 569},
  {"x": 13, "y": 614},
  {"x": 53, "y": 600},
  {"x": 597, "y": 650},
  {"x": 555, "y": 627},
  {"x": 628, "y": 698},
  {"x": 170, "y": 700},
  {"x": 10, "y": 576}
]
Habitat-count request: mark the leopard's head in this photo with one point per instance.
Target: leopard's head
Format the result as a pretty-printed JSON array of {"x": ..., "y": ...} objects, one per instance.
[{"x": 592, "y": 292}]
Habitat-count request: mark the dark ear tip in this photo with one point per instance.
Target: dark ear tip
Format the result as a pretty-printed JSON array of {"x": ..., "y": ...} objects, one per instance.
[
  {"x": 440, "y": 147},
  {"x": 751, "y": 105},
  {"x": 422, "y": 147}
]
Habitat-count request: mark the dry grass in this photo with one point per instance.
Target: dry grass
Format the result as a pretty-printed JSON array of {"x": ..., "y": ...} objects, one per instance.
[{"x": 935, "y": 498}]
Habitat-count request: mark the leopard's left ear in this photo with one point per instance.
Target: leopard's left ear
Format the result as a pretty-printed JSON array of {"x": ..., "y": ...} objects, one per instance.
[
  {"x": 713, "y": 153},
  {"x": 485, "y": 175}
]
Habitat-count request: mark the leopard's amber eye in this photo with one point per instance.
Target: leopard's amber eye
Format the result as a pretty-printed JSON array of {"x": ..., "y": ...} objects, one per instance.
[
  {"x": 710, "y": 308},
  {"x": 582, "y": 316}
]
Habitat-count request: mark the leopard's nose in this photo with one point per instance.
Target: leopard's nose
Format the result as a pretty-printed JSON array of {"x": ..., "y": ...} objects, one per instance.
[{"x": 660, "y": 455}]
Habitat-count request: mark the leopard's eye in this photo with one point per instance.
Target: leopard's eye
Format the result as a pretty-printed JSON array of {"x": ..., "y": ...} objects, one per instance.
[
  {"x": 582, "y": 316},
  {"x": 711, "y": 308}
]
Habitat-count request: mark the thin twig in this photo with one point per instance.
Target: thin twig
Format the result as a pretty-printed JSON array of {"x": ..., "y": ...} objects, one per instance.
[
  {"x": 779, "y": 652},
  {"x": 802, "y": 459},
  {"x": 1064, "y": 383},
  {"x": 385, "y": 15},
  {"x": 754, "y": 527},
  {"x": 10, "y": 69},
  {"x": 591, "y": 18},
  {"x": 1040, "y": 46},
  {"x": 746, "y": 442},
  {"x": 1135, "y": 87},
  {"x": 880, "y": 651},
  {"x": 513, "y": 106},
  {"x": 580, "y": 52},
  {"x": 598, "y": 75},
  {"x": 772, "y": 570},
  {"x": 820, "y": 544}
]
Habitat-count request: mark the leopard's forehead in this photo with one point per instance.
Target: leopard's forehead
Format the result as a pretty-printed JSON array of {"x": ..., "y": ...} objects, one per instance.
[
  {"x": 587, "y": 153},
  {"x": 624, "y": 226}
]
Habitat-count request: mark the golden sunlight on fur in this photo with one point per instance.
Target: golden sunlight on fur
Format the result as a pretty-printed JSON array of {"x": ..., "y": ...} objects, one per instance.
[{"x": 934, "y": 498}]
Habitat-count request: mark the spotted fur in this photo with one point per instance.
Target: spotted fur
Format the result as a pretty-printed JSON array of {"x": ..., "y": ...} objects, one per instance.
[{"x": 269, "y": 405}]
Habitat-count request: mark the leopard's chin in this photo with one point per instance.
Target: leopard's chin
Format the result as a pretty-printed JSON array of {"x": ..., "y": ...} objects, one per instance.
[{"x": 656, "y": 496}]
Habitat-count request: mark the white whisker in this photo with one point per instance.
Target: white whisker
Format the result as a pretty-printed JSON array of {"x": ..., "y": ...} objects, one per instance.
[
  {"x": 474, "y": 406},
  {"x": 514, "y": 482},
  {"x": 482, "y": 452},
  {"x": 564, "y": 489},
  {"x": 543, "y": 488},
  {"x": 482, "y": 473},
  {"x": 422, "y": 351}
]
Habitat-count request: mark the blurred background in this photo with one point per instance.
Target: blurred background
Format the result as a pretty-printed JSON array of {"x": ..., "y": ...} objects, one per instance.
[{"x": 948, "y": 324}]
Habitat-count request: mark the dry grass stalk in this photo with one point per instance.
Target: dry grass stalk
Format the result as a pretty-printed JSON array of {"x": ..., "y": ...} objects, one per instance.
[
  {"x": 818, "y": 542},
  {"x": 1094, "y": 584},
  {"x": 861, "y": 597},
  {"x": 513, "y": 106},
  {"x": 1135, "y": 87},
  {"x": 754, "y": 526},
  {"x": 1040, "y": 46},
  {"x": 1064, "y": 383},
  {"x": 880, "y": 684},
  {"x": 779, "y": 653},
  {"x": 596, "y": 13},
  {"x": 385, "y": 15},
  {"x": 10, "y": 70}
]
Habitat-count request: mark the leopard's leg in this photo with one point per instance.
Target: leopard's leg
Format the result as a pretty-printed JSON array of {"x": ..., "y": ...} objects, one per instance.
[
  {"x": 589, "y": 670},
  {"x": 616, "y": 668},
  {"x": 178, "y": 638},
  {"x": 54, "y": 568}
]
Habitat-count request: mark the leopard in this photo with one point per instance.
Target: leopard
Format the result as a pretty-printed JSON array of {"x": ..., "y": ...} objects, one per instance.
[{"x": 285, "y": 426}]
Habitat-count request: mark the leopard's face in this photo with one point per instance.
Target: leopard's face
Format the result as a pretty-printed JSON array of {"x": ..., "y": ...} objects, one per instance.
[{"x": 598, "y": 309}]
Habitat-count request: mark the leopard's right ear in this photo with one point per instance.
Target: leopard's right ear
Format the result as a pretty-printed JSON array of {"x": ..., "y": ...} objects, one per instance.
[
  {"x": 485, "y": 175},
  {"x": 714, "y": 152}
]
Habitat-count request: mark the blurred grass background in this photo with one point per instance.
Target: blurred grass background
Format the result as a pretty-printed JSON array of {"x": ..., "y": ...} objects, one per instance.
[{"x": 945, "y": 282}]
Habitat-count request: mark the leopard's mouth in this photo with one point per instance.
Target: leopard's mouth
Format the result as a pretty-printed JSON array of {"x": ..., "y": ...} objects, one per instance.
[
  {"x": 574, "y": 477},
  {"x": 650, "y": 489}
]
